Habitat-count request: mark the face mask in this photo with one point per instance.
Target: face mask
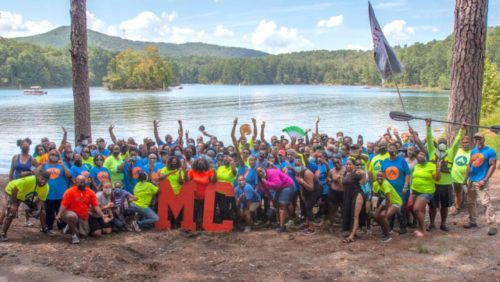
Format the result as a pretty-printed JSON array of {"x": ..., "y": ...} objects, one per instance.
[
  {"x": 382, "y": 150},
  {"x": 297, "y": 169},
  {"x": 25, "y": 150},
  {"x": 421, "y": 161},
  {"x": 54, "y": 159},
  {"x": 78, "y": 163},
  {"x": 99, "y": 163},
  {"x": 118, "y": 190},
  {"x": 107, "y": 191},
  {"x": 411, "y": 154},
  {"x": 81, "y": 187},
  {"x": 442, "y": 147},
  {"x": 85, "y": 142},
  {"x": 392, "y": 153},
  {"x": 177, "y": 153},
  {"x": 116, "y": 154}
]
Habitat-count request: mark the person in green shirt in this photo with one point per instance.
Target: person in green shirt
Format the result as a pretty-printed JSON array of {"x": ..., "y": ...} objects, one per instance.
[
  {"x": 376, "y": 162},
  {"x": 31, "y": 190},
  {"x": 443, "y": 197},
  {"x": 144, "y": 191},
  {"x": 423, "y": 187},
  {"x": 389, "y": 207},
  {"x": 115, "y": 165},
  {"x": 175, "y": 174},
  {"x": 458, "y": 171}
]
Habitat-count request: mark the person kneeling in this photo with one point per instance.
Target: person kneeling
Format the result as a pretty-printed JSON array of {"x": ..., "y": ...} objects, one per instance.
[
  {"x": 144, "y": 191},
  {"x": 247, "y": 201},
  {"x": 97, "y": 225},
  {"x": 75, "y": 207},
  {"x": 390, "y": 205}
]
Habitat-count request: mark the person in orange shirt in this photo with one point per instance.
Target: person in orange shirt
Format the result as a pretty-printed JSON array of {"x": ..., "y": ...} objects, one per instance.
[
  {"x": 75, "y": 206},
  {"x": 201, "y": 173}
]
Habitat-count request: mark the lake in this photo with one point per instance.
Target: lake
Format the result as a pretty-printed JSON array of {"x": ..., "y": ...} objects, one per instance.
[{"x": 352, "y": 109}]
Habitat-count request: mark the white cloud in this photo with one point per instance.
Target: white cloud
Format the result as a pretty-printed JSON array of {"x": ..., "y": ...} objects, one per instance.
[
  {"x": 269, "y": 37},
  {"x": 14, "y": 25},
  {"x": 94, "y": 23},
  {"x": 221, "y": 31},
  {"x": 397, "y": 30},
  {"x": 332, "y": 21}
]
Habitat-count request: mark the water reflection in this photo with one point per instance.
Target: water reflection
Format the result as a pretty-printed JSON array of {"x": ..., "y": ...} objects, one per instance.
[{"x": 352, "y": 109}]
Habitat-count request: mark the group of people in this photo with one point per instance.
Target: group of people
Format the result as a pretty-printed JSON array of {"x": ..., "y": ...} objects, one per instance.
[{"x": 309, "y": 180}]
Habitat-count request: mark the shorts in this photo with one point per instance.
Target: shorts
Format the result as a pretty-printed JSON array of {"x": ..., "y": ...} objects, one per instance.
[
  {"x": 335, "y": 197},
  {"x": 97, "y": 223},
  {"x": 82, "y": 225},
  {"x": 459, "y": 187},
  {"x": 425, "y": 196},
  {"x": 443, "y": 197},
  {"x": 394, "y": 205},
  {"x": 284, "y": 196},
  {"x": 311, "y": 198}
]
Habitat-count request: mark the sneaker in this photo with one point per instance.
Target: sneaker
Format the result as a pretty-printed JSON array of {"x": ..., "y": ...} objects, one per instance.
[
  {"x": 454, "y": 211},
  {"x": 75, "y": 239},
  {"x": 28, "y": 223},
  {"x": 3, "y": 238},
  {"x": 403, "y": 230},
  {"x": 281, "y": 229},
  {"x": 247, "y": 229},
  {"x": 470, "y": 225},
  {"x": 386, "y": 238},
  {"x": 431, "y": 227},
  {"x": 46, "y": 231},
  {"x": 290, "y": 223},
  {"x": 444, "y": 228},
  {"x": 308, "y": 231},
  {"x": 492, "y": 231},
  {"x": 135, "y": 226}
]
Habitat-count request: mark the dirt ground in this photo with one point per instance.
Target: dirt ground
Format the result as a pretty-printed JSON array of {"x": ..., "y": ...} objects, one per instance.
[{"x": 261, "y": 255}]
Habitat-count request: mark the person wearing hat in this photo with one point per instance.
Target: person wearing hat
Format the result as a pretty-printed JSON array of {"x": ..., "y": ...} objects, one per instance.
[
  {"x": 101, "y": 148},
  {"x": 31, "y": 190},
  {"x": 443, "y": 196},
  {"x": 481, "y": 167}
]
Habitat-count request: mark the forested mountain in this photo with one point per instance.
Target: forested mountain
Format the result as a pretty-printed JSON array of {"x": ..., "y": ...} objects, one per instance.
[
  {"x": 426, "y": 65},
  {"x": 59, "y": 38}
]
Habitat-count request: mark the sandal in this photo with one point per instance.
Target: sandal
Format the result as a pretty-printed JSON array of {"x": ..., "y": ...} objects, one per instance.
[{"x": 348, "y": 240}]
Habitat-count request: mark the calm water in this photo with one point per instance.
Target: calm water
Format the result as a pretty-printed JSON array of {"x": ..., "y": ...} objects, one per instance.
[{"x": 354, "y": 110}]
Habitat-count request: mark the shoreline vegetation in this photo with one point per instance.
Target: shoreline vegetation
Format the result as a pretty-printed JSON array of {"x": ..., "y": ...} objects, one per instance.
[{"x": 427, "y": 66}]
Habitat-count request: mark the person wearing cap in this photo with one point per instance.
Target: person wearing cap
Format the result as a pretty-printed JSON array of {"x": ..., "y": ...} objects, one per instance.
[
  {"x": 443, "y": 196},
  {"x": 31, "y": 190},
  {"x": 479, "y": 171},
  {"x": 458, "y": 172},
  {"x": 101, "y": 148}
]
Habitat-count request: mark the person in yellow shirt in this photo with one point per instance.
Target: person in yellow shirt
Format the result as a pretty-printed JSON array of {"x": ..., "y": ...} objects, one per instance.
[
  {"x": 31, "y": 190},
  {"x": 144, "y": 191}
]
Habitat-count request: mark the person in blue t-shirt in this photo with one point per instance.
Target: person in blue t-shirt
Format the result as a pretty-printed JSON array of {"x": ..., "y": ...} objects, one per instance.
[
  {"x": 98, "y": 173},
  {"x": 132, "y": 168},
  {"x": 247, "y": 201},
  {"x": 481, "y": 167},
  {"x": 78, "y": 168},
  {"x": 58, "y": 183},
  {"x": 397, "y": 172},
  {"x": 101, "y": 148}
]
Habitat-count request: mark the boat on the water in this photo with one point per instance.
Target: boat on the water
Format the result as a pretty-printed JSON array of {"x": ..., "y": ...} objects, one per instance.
[{"x": 34, "y": 90}]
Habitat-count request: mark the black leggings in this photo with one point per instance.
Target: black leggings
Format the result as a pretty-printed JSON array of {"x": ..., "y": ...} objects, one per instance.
[
  {"x": 51, "y": 210},
  {"x": 311, "y": 198}
]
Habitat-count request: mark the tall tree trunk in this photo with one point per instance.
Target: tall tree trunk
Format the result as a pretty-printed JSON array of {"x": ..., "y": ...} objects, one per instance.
[
  {"x": 467, "y": 64},
  {"x": 80, "y": 69}
]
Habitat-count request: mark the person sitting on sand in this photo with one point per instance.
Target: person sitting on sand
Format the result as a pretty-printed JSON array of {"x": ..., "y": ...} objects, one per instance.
[{"x": 74, "y": 210}]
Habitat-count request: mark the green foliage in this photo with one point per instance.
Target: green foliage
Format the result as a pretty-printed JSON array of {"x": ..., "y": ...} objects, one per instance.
[
  {"x": 492, "y": 140},
  {"x": 59, "y": 38},
  {"x": 491, "y": 88},
  {"x": 138, "y": 70}
]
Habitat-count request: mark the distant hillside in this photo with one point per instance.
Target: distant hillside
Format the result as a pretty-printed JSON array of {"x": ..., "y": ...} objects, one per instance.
[{"x": 59, "y": 38}]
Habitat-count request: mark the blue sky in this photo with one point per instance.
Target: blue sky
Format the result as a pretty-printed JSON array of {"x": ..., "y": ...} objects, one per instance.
[{"x": 274, "y": 26}]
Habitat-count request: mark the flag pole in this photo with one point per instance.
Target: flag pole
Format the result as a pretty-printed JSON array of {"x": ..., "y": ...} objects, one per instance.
[{"x": 399, "y": 93}]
